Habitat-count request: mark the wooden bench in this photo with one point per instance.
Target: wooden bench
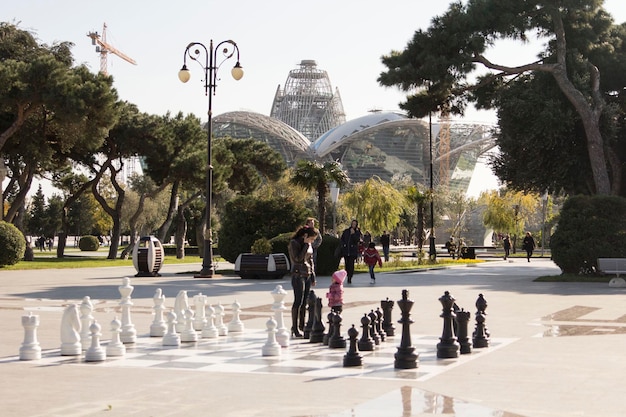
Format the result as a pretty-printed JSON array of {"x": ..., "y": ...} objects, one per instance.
[
  {"x": 251, "y": 266},
  {"x": 615, "y": 266}
]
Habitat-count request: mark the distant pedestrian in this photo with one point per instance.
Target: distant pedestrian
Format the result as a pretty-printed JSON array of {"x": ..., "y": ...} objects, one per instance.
[
  {"x": 506, "y": 243},
  {"x": 371, "y": 257},
  {"x": 385, "y": 240},
  {"x": 351, "y": 239},
  {"x": 451, "y": 247},
  {"x": 528, "y": 244}
]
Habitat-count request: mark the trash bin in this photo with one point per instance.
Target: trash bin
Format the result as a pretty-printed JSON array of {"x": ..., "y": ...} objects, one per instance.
[
  {"x": 468, "y": 252},
  {"x": 148, "y": 257},
  {"x": 249, "y": 265}
]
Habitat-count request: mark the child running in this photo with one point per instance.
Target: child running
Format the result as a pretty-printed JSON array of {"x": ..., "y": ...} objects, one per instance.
[{"x": 371, "y": 257}]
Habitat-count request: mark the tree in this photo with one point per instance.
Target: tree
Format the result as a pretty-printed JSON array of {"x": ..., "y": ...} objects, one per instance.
[
  {"x": 442, "y": 61},
  {"x": 509, "y": 211},
  {"x": 37, "y": 213},
  {"x": 419, "y": 198},
  {"x": 312, "y": 175},
  {"x": 376, "y": 204}
]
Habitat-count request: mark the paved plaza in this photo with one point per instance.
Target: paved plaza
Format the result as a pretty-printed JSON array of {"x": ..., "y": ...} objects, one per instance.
[{"x": 558, "y": 349}]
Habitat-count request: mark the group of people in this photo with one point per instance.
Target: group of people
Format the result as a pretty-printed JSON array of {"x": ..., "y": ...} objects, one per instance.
[
  {"x": 528, "y": 245},
  {"x": 302, "y": 249}
]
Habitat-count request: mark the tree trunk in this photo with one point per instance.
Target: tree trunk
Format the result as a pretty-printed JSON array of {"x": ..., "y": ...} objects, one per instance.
[
  {"x": 181, "y": 232},
  {"x": 171, "y": 211}
]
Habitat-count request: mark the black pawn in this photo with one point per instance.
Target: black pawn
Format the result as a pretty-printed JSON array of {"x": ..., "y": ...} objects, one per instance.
[
  {"x": 388, "y": 327},
  {"x": 317, "y": 334},
  {"x": 366, "y": 343},
  {"x": 352, "y": 357},
  {"x": 329, "y": 320},
  {"x": 379, "y": 324},
  {"x": 462, "y": 321},
  {"x": 373, "y": 333},
  {"x": 448, "y": 346},
  {"x": 336, "y": 340},
  {"x": 405, "y": 356},
  {"x": 480, "y": 337},
  {"x": 310, "y": 308}
]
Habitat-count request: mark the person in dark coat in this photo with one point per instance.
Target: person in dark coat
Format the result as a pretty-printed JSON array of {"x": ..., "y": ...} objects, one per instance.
[
  {"x": 528, "y": 244},
  {"x": 302, "y": 274},
  {"x": 351, "y": 238},
  {"x": 385, "y": 240},
  {"x": 506, "y": 243}
]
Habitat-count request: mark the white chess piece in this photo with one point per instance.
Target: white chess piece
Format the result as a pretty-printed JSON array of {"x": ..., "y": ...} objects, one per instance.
[
  {"x": 278, "y": 307},
  {"x": 181, "y": 304},
  {"x": 171, "y": 338},
  {"x": 189, "y": 334},
  {"x": 271, "y": 346},
  {"x": 70, "y": 332},
  {"x": 210, "y": 330},
  {"x": 236, "y": 325},
  {"x": 199, "y": 320},
  {"x": 158, "y": 326},
  {"x": 219, "y": 320},
  {"x": 30, "y": 349},
  {"x": 115, "y": 346},
  {"x": 95, "y": 353},
  {"x": 129, "y": 333},
  {"x": 86, "y": 307}
]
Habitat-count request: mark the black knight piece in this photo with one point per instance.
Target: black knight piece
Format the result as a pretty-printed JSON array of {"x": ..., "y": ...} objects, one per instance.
[
  {"x": 388, "y": 327},
  {"x": 317, "y": 334},
  {"x": 310, "y": 308},
  {"x": 405, "y": 356}
]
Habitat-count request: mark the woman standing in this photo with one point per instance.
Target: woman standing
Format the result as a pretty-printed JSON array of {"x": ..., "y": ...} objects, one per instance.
[
  {"x": 302, "y": 275},
  {"x": 529, "y": 245},
  {"x": 351, "y": 238}
]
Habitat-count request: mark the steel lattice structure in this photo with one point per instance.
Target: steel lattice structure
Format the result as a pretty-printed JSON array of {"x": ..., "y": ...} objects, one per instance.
[{"x": 307, "y": 103}]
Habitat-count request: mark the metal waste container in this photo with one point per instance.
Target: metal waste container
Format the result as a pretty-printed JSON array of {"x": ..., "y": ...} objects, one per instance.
[{"x": 148, "y": 257}]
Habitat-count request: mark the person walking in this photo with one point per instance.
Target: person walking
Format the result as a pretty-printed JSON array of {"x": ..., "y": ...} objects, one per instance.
[
  {"x": 350, "y": 240},
  {"x": 385, "y": 240},
  {"x": 528, "y": 244},
  {"x": 506, "y": 243},
  {"x": 371, "y": 257},
  {"x": 302, "y": 274},
  {"x": 335, "y": 291}
]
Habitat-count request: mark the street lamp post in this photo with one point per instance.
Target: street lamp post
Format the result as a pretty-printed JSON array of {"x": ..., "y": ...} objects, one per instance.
[
  {"x": 194, "y": 51},
  {"x": 432, "y": 252},
  {"x": 334, "y": 197},
  {"x": 3, "y": 175}
]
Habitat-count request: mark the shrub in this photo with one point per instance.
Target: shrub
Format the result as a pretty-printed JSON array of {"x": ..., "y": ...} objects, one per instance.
[
  {"x": 88, "y": 243},
  {"x": 326, "y": 261},
  {"x": 12, "y": 244},
  {"x": 590, "y": 227},
  {"x": 261, "y": 246},
  {"x": 280, "y": 243}
]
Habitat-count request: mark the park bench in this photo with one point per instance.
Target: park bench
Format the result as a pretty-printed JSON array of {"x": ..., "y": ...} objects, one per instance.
[
  {"x": 615, "y": 266},
  {"x": 250, "y": 266}
]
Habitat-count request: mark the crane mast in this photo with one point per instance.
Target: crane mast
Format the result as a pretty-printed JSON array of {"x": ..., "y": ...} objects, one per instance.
[{"x": 104, "y": 48}]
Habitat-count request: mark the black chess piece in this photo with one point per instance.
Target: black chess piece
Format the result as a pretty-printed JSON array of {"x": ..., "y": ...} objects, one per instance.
[
  {"x": 379, "y": 324},
  {"x": 310, "y": 308},
  {"x": 366, "y": 343},
  {"x": 336, "y": 340},
  {"x": 373, "y": 332},
  {"x": 405, "y": 356},
  {"x": 448, "y": 347},
  {"x": 462, "y": 322},
  {"x": 388, "y": 326},
  {"x": 480, "y": 337},
  {"x": 352, "y": 357},
  {"x": 329, "y": 334},
  {"x": 317, "y": 333}
]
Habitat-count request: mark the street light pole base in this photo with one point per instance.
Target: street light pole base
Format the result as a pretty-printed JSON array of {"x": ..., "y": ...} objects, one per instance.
[{"x": 205, "y": 273}]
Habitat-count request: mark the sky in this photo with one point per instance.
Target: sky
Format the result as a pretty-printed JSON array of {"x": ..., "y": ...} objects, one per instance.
[{"x": 346, "y": 38}]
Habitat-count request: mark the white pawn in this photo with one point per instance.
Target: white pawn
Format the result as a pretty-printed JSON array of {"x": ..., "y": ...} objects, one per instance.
[
  {"x": 271, "y": 346},
  {"x": 95, "y": 353},
  {"x": 115, "y": 346},
  {"x": 70, "y": 332},
  {"x": 181, "y": 304},
  {"x": 30, "y": 349},
  {"x": 219, "y": 320},
  {"x": 199, "y": 320},
  {"x": 86, "y": 307},
  {"x": 210, "y": 331},
  {"x": 171, "y": 338},
  {"x": 189, "y": 334},
  {"x": 282, "y": 334},
  {"x": 129, "y": 333},
  {"x": 236, "y": 325},
  {"x": 158, "y": 326}
]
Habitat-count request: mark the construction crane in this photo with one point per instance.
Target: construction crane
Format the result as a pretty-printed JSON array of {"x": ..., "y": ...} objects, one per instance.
[
  {"x": 444, "y": 148},
  {"x": 104, "y": 49}
]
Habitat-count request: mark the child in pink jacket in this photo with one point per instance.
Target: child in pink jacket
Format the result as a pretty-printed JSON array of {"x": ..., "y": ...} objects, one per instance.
[
  {"x": 371, "y": 257},
  {"x": 335, "y": 292}
]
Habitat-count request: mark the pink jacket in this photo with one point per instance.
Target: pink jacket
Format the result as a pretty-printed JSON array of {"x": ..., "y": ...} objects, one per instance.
[{"x": 335, "y": 292}]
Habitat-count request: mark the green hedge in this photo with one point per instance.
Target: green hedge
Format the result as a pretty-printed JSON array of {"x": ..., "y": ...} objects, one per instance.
[
  {"x": 12, "y": 244},
  {"x": 326, "y": 261},
  {"x": 88, "y": 243},
  {"x": 590, "y": 227}
]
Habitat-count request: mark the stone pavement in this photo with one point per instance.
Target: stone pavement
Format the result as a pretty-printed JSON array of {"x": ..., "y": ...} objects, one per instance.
[{"x": 567, "y": 357}]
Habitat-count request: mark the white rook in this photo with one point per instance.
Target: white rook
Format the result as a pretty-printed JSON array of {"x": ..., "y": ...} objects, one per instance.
[{"x": 30, "y": 349}]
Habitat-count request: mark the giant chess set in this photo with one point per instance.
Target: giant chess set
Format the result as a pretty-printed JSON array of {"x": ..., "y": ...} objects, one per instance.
[{"x": 195, "y": 337}]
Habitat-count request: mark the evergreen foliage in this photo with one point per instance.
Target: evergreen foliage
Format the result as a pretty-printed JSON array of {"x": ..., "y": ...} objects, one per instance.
[
  {"x": 88, "y": 243},
  {"x": 589, "y": 228},
  {"x": 12, "y": 244}
]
